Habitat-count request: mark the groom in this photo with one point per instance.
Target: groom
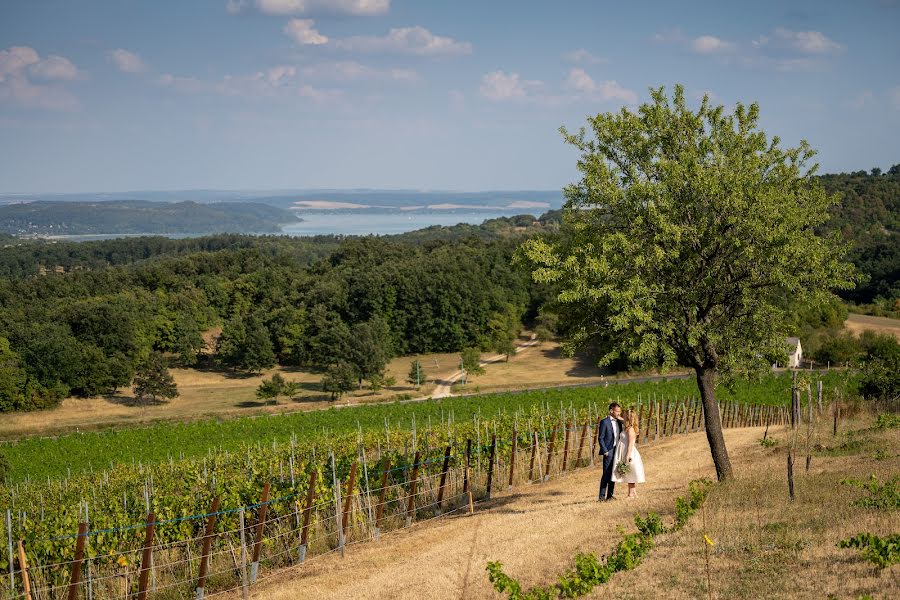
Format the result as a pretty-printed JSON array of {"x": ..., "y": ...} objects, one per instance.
[{"x": 608, "y": 437}]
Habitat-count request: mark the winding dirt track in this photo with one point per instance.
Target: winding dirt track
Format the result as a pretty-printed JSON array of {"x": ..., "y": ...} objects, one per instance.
[{"x": 533, "y": 530}]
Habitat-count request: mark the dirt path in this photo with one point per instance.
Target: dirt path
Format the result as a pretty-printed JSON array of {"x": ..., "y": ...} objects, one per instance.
[
  {"x": 534, "y": 531},
  {"x": 443, "y": 389}
]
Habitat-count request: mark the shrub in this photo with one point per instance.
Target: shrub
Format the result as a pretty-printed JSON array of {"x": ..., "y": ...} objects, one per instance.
[{"x": 883, "y": 552}]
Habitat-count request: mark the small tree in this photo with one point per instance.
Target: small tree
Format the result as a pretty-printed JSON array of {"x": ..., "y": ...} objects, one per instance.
[
  {"x": 290, "y": 389},
  {"x": 471, "y": 361},
  {"x": 379, "y": 381},
  {"x": 682, "y": 238},
  {"x": 416, "y": 373},
  {"x": 153, "y": 381},
  {"x": 339, "y": 379},
  {"x": 270, "y": 389}
]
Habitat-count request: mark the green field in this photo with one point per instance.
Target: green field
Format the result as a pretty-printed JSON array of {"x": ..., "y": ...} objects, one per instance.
[{"x": 38, "y": 459}]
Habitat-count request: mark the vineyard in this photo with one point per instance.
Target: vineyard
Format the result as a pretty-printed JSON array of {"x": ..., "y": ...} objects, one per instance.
[{"x": 277, "y": 491}]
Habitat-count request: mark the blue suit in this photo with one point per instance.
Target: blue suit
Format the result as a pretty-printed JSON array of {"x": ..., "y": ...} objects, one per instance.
[{"x": 607, "y": 438}]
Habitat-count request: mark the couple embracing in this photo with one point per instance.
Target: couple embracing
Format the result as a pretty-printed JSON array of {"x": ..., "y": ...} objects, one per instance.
[{"x": 622, "y": 463}]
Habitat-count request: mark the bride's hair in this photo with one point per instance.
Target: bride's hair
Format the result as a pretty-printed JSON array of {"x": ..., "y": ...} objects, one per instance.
[{"x": 631, "y": 420}]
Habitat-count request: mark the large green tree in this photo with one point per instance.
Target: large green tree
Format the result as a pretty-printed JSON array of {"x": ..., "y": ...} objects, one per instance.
[
  {"x": 152, "y": 380},
  {"x": 683, "y": 234}
]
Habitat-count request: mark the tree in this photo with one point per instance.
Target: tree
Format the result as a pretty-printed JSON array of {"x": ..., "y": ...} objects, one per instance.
[
  {"x": 683, "y": 233},
  {"x": 12, "y": 378},
  {"x": 339, "y": 379},
  {"x": 245, "y": 344},
  {"x": 369, "y": 348},
  {"x": 270, "y": 389},
  {"x": 471, "y": 361},
  {"x": 380, "y": 381},
  {"x": 153, "y": 381},
  {"x": 504, "y": 328},
  {"x": 416, "y": 374}
]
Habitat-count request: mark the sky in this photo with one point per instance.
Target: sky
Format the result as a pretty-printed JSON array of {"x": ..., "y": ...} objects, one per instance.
[{"x": 123, "y": 95}]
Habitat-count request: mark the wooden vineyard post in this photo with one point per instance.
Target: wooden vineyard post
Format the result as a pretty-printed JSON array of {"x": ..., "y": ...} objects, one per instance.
[
  {"x": 245, "y": 593},
  {"x": 411, "y": 506},
  {"x": 444, "y": 469},
  {"x": 837, "y": 415},
  {"x": 581, "y": 443},
  {"x": 144, "y": 578},
  {"x": 207, "y": 546},
  {"x": 665, "y": 411},
  {"x": 550, "y": 452},
  {"x": 490, "y": 473},
  {"x": 23, "y": 568},
  {"x": 469, "y": 492},
  {"x": 656, "y": 405},
  {"x": 819, "y": 394},
  {"x": 566, "y": 446},
  {"x": 595, "y": 437},
  {"x": 347, "y": 506},
  {"x": 75, "y": 576},
  {"x": 258, "y": 536},
  {"x": 379, "y": 512},
  {"x": 512, "y": 458},
  {"x": 640, "y": 422},
  {"x": 534, "y": 447},
  {"x": 466, "y": 483},
  {"x": 307, "y": 513}
]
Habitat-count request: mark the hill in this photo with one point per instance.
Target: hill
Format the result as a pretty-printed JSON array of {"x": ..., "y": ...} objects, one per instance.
[{"x": 141, "y": 217}]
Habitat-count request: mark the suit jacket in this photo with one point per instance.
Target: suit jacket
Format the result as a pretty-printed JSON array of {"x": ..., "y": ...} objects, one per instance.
[{"x": 607, "y": 437}]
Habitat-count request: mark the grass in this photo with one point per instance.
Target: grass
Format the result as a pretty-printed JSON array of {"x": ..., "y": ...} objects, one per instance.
[
  {"x": 859, "y": 323},
  {"x": 769, "y": 547},
  {"x": 39, "y": 458}
]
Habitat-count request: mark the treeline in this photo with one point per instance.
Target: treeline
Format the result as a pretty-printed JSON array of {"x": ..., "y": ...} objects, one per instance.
[
  {"x": 277, "y": 300},
  {"x": 869, "y": 216},
  {"x": 141, "y": 216}
]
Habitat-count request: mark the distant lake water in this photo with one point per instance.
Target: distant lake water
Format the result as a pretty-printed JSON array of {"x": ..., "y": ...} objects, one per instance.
[
  {"x": 386, "y": 223},
  {"x": 349, "y": 223}
]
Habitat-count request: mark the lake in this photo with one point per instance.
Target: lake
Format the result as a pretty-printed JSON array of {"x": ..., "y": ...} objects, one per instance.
[{"x": 350, "y": 223}]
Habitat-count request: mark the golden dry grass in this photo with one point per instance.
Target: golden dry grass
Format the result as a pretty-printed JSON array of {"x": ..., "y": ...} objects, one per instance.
[
  {"x": 859, "y": 323},
  {"x": 766, "y": 546},
  {"x": 769, "y": 547}
]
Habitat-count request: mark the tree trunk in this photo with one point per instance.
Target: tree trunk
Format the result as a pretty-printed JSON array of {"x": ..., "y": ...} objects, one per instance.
[{"x": 706, "y": 381}]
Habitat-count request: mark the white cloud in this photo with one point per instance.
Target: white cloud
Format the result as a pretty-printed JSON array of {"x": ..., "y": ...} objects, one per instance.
[
  {"x": 862, "y": 99},
  {"x": 284, "y": 8},
  {"x": 580, "y": 81},
  {"x": 894, "y": 95},
  {"x": 275, "y": 82},
  {"x": 354, "y": 71},
  {"x": 407, "y": 40},
  {"x": 710, "y": 44},
  {"x": 21, "y": 71},
  {"x": 303, "y": 32},
  {"x": 669, "y": 36},
  {"x": 585, "y": 85},
  {"x": 126, "y": 61},
  {"x": 807, "y": 42},
  {"x": 583, "y": 56},
  {"x": 499, "y": 85}
]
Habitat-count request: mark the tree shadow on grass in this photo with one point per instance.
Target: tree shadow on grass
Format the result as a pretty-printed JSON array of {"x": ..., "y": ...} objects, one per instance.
[{"x": 132, "y": 402}]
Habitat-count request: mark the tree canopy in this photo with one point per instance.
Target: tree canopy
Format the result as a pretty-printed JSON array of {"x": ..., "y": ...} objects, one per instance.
[{"x": 683, "y": 236}]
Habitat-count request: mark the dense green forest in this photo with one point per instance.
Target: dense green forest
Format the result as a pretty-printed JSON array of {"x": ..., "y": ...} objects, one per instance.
[
  {"x": 868, "y": 216},
  {"x": 277, "y": 299},
  {"x": 141, "y": 216},
  {"x": 79, "y": 318}
]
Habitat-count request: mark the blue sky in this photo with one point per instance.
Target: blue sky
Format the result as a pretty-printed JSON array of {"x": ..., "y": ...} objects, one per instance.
[{"x": 273, "y": 94}]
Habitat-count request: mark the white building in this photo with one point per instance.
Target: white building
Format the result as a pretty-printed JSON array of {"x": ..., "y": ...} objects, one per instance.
[{"x": 795, "y": 352}]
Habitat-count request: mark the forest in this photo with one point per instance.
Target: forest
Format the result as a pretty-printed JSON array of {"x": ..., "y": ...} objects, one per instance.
[
  {"x": 141, "y": 216},
  {"x": 341, "y": 306}
]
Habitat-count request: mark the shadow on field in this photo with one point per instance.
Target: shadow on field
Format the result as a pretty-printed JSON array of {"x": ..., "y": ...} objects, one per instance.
[{"x": 132, "y": 402}]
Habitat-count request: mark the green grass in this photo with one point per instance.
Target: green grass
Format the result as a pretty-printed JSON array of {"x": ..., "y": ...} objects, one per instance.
[{"x": 55, "y": 458}]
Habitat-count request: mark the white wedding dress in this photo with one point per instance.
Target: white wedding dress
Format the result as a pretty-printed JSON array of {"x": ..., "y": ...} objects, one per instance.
[{"x": 636, "y": 473}]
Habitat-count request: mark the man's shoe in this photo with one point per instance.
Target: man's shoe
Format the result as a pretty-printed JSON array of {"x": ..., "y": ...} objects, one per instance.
[{"x": 611, "y": 498}]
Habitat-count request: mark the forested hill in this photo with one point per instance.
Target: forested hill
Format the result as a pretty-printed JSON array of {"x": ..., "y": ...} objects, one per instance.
[
  {"x": 869, "y": 216},
  {"x": 140, "y": 216}
]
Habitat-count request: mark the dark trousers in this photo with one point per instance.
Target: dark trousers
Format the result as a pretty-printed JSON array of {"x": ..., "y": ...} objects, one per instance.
[{"x": 607, "y": 486}]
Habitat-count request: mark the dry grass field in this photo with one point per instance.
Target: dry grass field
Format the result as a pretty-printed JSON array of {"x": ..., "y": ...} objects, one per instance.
[
  {"x": 765, "y": 545},
  {"x": 860, "y": 323},
  {"x": 222, "y": 394}
]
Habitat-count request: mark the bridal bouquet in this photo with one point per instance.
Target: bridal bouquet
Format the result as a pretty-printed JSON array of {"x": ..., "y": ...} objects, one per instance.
[{"x": 622, "y": 469}]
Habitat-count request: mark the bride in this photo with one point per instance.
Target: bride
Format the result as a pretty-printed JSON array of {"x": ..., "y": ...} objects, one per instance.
[{"x": 627, "y": 454}]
